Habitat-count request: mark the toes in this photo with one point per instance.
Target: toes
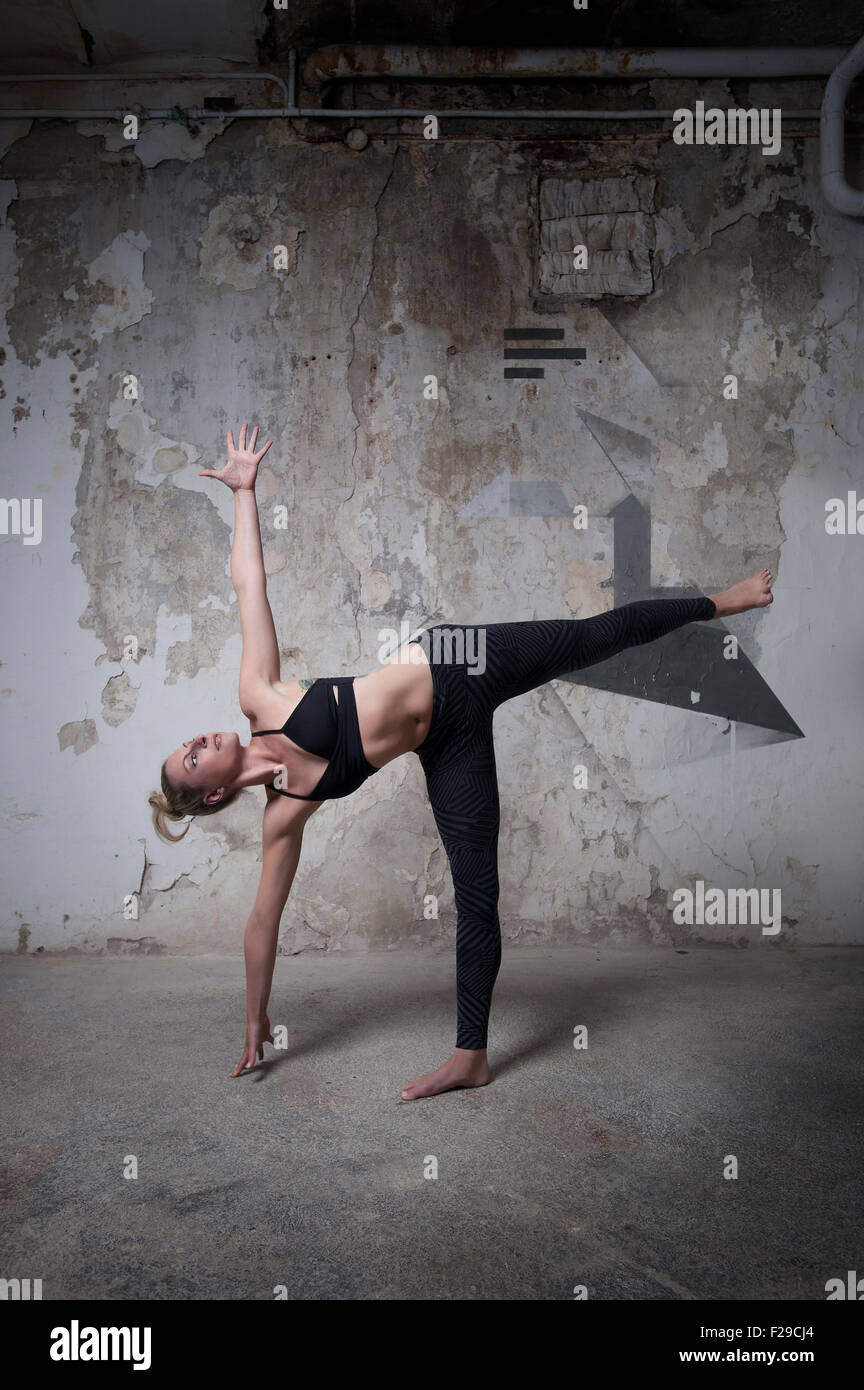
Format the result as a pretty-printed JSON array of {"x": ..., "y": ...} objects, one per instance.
[{"x": 413, "y": 1090}]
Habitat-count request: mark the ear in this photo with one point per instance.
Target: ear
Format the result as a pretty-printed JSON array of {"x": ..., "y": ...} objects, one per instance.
[{"x": 213, "y": 798}]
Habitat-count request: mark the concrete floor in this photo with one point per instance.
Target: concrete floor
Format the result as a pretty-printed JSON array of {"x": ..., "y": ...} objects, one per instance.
[{"x": 601, "y": 1167}]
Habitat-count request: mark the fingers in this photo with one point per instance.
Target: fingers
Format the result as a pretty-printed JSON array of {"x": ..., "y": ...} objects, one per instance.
[
  {"x": 247, "y": 1061},
  {"x": 241, "y": 446},
  {"x": 242, "y": 1065}
]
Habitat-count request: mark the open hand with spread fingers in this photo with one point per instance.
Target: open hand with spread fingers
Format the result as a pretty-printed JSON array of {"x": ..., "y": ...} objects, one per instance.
[{"x": 241, "y": 469}]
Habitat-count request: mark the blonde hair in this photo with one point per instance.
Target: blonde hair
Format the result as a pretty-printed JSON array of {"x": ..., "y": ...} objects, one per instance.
[{"x": 173, "y": 803}]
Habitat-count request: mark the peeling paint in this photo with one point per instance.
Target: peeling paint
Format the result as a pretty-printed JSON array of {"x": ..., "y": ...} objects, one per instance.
[
  {"x": 157, "y": 140},
  {"x": 135, "y": 946},
  {"x": 78, "y": 736},
  {"x": 238, "y": 242},
  {"x": 119, "y": 698},
  {"x": 121, "y": 298}
]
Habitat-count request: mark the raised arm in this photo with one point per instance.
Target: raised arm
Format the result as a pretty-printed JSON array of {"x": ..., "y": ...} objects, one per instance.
[{"x": 259, "y": 665}]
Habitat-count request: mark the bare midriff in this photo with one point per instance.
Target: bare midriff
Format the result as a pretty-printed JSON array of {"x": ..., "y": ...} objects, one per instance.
[{"x": 394, "y": 705}]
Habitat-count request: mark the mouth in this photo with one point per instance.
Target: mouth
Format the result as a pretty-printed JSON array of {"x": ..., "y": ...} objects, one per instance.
[{"x": 218, "y": 741}]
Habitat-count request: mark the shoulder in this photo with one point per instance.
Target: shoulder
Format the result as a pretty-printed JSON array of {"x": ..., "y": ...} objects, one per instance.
[
  {"x": 284, "y": 817},
  {"x": 265, "y": 702},
  {"x": 256, "y": 695}
]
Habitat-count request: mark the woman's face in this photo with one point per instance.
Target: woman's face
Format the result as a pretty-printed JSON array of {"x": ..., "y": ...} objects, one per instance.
[{"x": 206, "y": 762}]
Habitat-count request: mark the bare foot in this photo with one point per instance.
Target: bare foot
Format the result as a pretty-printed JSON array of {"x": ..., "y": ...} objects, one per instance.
[
  {"x": 465, "y": 1068},
  {"x": 754, "y": 592}
]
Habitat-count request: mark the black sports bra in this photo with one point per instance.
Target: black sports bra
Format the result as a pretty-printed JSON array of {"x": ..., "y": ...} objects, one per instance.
[{"x": 328, "y": 727}]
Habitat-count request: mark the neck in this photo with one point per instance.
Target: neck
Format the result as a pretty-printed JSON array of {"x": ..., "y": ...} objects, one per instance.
[{"x": 260, "y": 761}]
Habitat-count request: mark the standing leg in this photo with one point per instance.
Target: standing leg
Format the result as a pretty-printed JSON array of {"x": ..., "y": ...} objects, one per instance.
[{"x": 463, "y": 792}]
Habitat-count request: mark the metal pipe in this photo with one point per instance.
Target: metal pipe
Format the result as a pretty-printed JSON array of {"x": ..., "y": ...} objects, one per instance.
[
  {"x": 199, "y": 113},
  {"x": 118, "y": 113},
  {"x": 837, "y": 191},
  {"x": 416, "y": 61},
  {"x": 133, "y": 77},
  {"x": 513, "y": 62}
]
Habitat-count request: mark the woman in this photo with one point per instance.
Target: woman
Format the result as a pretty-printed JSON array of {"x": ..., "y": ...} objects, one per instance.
[{"x": 436, "y": 698}]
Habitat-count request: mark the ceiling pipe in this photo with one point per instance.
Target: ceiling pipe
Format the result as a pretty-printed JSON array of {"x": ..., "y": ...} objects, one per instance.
[
  {"x": 835, "y": 188},
  {"x": 620, "y": 63},
  {"x": 416, "y": 61},
  {"x": 345, "y": 113},
  {"x": 132, "y": 78},
  {"x": 358, "y": 61}
]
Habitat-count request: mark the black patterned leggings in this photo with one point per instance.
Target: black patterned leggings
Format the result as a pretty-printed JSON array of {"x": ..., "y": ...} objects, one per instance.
[{"x": 474, "y": 670}]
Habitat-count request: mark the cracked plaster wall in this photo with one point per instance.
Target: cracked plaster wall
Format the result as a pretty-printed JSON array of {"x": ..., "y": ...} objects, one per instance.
[{"x": 406, "y": 260}]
